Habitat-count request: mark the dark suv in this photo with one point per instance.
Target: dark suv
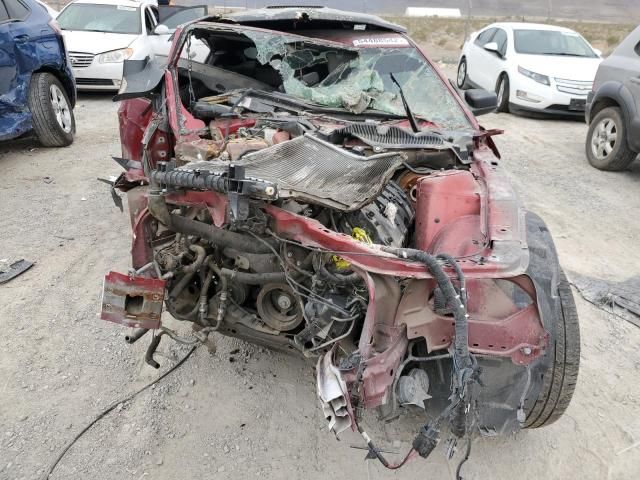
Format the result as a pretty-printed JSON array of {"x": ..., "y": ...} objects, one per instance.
[
  {"x": 613, "y": 108},
  {"x": 37, "y": 88}
]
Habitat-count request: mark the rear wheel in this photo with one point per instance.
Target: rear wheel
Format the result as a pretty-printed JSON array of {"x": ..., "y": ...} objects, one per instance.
[
  {"x": 606, "y": 145},
  {"x": 461, "y": 78},
  {"x": 53, "y": 120},
  {"x": 560, "y": 380},
  {"x": 502, "y": 92}
]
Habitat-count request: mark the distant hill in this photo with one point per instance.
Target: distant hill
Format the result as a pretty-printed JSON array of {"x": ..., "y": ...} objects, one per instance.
[{"x": 605, "y": 10}]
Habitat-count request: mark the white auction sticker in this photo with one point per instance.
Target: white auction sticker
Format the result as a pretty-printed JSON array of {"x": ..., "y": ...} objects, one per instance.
[{"x": 395, "y": 41}]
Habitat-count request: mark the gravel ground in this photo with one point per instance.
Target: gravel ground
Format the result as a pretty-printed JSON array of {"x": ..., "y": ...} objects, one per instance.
[{"x": 245, "y": 411}]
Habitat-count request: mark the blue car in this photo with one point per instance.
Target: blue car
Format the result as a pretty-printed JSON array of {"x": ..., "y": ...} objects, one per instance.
[{"x": 37, "y": 88}]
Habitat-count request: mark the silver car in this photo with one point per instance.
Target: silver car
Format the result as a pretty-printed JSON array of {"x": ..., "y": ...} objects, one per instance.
[{"x": 613, "y": 108}]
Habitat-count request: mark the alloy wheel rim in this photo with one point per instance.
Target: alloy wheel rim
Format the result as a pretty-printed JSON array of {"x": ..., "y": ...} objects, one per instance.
[
  {"x": 60, "y": 108},
  {"x": 462, "y": 73},
  {"x": 604, "y": 138},
  {"x": 500, "y": 91}
]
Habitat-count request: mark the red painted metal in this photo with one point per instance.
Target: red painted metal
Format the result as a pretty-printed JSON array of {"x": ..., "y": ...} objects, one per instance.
[
  {"x": 231, "y": 125},
  {"x": 441, "y": 199},
  {"x": 216, "y": 203},
  {"x": 134, "y": 117},
  {"x": 496, "y": 326}
]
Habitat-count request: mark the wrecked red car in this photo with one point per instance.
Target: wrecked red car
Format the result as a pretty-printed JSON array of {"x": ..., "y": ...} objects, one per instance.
[{"x": 317, "y": 185}]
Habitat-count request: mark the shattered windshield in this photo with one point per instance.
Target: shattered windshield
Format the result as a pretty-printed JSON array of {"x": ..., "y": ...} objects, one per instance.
[
  {"x": 365, "y": 83},
  {"x": 332, "y": 75}
]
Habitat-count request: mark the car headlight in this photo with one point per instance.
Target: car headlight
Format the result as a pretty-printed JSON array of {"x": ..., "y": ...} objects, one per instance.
[
  {"x": 115, "y": 56},
  {"x": 543, "y": 79}
]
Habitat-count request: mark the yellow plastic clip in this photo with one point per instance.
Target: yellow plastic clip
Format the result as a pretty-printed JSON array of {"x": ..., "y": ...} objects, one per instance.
[{"x": 359, "y": 234}]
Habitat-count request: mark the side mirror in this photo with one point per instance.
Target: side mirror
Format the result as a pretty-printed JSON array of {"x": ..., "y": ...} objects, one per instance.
[
  {"x": 481, "y": 101},
  {"x": 162, "y": 30},
  {"x": 492, "y": 47}
]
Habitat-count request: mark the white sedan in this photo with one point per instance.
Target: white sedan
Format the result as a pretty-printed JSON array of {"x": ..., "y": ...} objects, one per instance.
[
  {"x": 531, "y": 67},
  {"x": 101, "y": 34}
]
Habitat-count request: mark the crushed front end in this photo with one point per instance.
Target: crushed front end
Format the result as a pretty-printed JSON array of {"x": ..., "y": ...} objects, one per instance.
[{"x": 304, "y": 219}]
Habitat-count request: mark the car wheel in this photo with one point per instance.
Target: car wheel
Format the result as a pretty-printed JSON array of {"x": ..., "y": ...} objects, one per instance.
[
  {"x": 606, "y": 145},
  {"x": 502, "y": 92},
  {"x": 461, "y": 78},
  {"x": 560, "y": 379},
  {"x": 53, "y": 120}
]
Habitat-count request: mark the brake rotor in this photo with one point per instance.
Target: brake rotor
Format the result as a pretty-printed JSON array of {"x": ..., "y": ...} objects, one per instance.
[{"x": 278, "y": 307}]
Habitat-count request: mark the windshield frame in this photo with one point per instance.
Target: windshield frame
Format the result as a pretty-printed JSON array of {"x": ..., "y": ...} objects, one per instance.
[
  {"x": 585, "y": 43},
  {"x": 101, "y": 5},
  {"x": 342, "y": 41}
]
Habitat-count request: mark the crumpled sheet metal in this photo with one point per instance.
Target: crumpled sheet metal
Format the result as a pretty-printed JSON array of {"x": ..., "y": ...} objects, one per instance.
[
  {"x": 332, "y": 392},
  {"x": 15, "y": 117},
  {"x": 22, "y": 59},
  {"x": 619, "y": 298},
  {"x": 309, "y": 169}
]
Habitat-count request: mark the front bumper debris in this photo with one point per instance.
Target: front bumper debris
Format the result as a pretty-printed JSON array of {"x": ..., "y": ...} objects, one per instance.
[{"x": 133, "y": 301}]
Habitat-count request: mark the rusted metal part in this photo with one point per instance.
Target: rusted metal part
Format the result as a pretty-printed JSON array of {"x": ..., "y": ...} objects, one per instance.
[
  {"x": 198, "y": 148},
  {"x": 141, "y": 251},
  {"x": 15, "y": 269},
  {"x": 496, "y": 326},
  {"x": 133, "y": 301},
  {"x": 280, "y": 136},
  {"x": 240, "y": 147}
]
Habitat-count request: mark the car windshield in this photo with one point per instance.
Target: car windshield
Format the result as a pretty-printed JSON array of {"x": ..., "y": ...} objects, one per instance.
[
  {"x": 359, "y": 79},
  {"x": 368, "y": 78},
  {"x": 101, "y": 18},
  {"x": 551, "y": 42}
]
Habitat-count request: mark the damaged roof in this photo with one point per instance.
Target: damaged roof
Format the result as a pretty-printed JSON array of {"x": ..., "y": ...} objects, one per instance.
[{"x": 301, "y": 15}]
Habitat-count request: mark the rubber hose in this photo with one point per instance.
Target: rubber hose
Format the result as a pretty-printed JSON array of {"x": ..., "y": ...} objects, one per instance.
[
  {"x": 197, "y": 263},
  {"x": 216, "y": 235}
]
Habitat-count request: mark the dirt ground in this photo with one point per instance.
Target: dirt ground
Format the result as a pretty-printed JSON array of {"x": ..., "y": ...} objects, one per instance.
[{"x": 247, "y": 412}]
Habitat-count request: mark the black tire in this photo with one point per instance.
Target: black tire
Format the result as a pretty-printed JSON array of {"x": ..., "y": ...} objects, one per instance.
[
  {"x": 53, "y": 120},
  {"x": 503, "y": 103},
  {"x": 462, "y": 82},
  {"x": 559, "y": 381},
  {"x": 599, "y": 139}
]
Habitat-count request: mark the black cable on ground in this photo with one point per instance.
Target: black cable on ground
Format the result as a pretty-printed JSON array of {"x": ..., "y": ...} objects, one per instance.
[
  {"x": 462, "y": 462},
  {"x": 46, "y": 475}
]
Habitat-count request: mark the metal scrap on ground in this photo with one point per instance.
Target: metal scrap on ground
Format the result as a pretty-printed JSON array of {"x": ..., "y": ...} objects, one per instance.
[
  {"x": 15, "y": 269},
  {"x": 619, "y": 298}
]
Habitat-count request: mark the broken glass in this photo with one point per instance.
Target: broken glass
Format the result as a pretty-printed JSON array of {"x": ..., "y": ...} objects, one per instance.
[{"x": 359, "y": 79}]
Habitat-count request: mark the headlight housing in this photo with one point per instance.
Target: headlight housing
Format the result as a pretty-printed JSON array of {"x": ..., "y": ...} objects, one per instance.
[
  {"x": 115, "y": 56},
  {"x": 543, "y": 79}
]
